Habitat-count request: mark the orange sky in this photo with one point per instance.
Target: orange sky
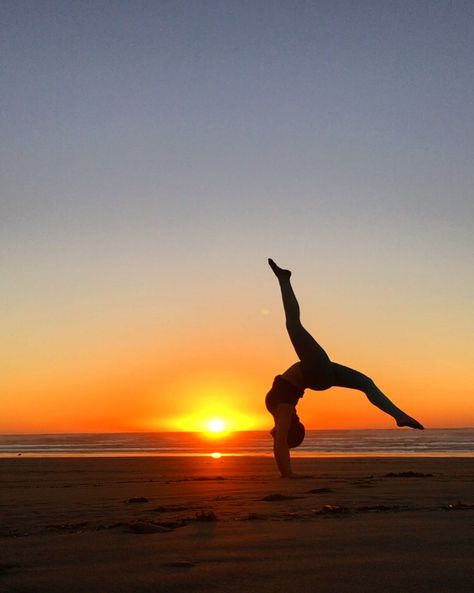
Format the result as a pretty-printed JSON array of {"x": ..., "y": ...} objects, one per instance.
[{"x": 129, "y": 376}]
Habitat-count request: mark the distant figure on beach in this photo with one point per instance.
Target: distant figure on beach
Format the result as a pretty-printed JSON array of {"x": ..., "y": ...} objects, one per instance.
[{"x": 313, "y": 371}]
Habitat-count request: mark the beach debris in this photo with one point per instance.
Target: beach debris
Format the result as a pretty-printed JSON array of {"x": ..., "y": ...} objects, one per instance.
[
  {"x": 276, "y": 497},
  {"x": 318, "y": 491},
  {"x": 142, "y": 527},
  {"x": 138, "y": 499},
  {"x": 409, "y": 474},
  {"x": 205, "y": 516},
  {"x": 458, "y": 506},
  {"x": 331, "y": 509},
  {"x": 179, "y": 563}
]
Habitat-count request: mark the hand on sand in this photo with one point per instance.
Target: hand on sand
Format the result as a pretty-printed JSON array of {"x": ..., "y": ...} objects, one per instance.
[
  {"x": 406, "y": 420},
  {"x": 280, "y": 273}
]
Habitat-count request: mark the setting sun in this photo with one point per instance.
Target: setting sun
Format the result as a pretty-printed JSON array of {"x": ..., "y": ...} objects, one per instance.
[
  {"x": 214, "y": 405},
  {"x": 216, "y": 425}
]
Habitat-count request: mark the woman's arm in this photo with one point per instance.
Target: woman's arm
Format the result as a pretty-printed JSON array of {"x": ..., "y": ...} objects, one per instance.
[{"x": 281, "y": 450}]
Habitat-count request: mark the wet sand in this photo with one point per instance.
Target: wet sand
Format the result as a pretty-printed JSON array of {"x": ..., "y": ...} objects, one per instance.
[{"x": 231, "y": 525}]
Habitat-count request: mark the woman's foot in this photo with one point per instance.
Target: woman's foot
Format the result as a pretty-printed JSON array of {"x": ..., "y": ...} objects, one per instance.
[
  {"x": 280, "y": 273},
  {"x": 406, "y": 420}
]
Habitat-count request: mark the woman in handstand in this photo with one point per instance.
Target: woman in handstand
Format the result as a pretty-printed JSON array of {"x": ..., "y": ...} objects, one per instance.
[{"x": 313, "y": 371}]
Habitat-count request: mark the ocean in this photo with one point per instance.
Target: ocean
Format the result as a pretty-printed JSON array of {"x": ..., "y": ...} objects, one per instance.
[{"x": 452, "y": 442}]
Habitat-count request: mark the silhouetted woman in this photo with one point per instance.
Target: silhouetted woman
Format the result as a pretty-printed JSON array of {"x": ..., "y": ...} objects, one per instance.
[{"x": 313, "y": 371}]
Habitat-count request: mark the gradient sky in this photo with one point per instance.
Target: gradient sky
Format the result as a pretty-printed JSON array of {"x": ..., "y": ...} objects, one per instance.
[{"x": 154, "y": 154}]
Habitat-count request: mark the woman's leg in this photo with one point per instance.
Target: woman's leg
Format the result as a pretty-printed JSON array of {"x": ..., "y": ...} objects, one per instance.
[
  {"x": 347, "y": 377},
  {"x": 315, "y": 362}
]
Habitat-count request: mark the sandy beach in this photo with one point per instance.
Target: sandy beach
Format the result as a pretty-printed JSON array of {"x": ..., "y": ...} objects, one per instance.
[{"x": 231, "y": 524}]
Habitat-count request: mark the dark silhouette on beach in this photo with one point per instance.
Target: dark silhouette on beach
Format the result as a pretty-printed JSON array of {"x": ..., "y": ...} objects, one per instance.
[{"x": 313, "y": 371}]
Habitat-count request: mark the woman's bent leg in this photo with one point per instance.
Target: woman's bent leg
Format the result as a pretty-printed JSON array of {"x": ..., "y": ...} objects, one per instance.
[{"x": 352, "y": 379}]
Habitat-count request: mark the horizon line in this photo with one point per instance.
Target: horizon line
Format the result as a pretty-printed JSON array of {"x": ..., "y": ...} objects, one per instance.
[{"x": 225, "y": 433}]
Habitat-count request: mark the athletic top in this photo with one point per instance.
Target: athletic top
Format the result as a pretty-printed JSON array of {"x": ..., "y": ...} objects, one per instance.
[{"x": 282, "y": 392}]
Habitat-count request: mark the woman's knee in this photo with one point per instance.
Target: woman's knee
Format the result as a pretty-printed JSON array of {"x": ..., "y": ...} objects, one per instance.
[{"x": 368, "y": 383}]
